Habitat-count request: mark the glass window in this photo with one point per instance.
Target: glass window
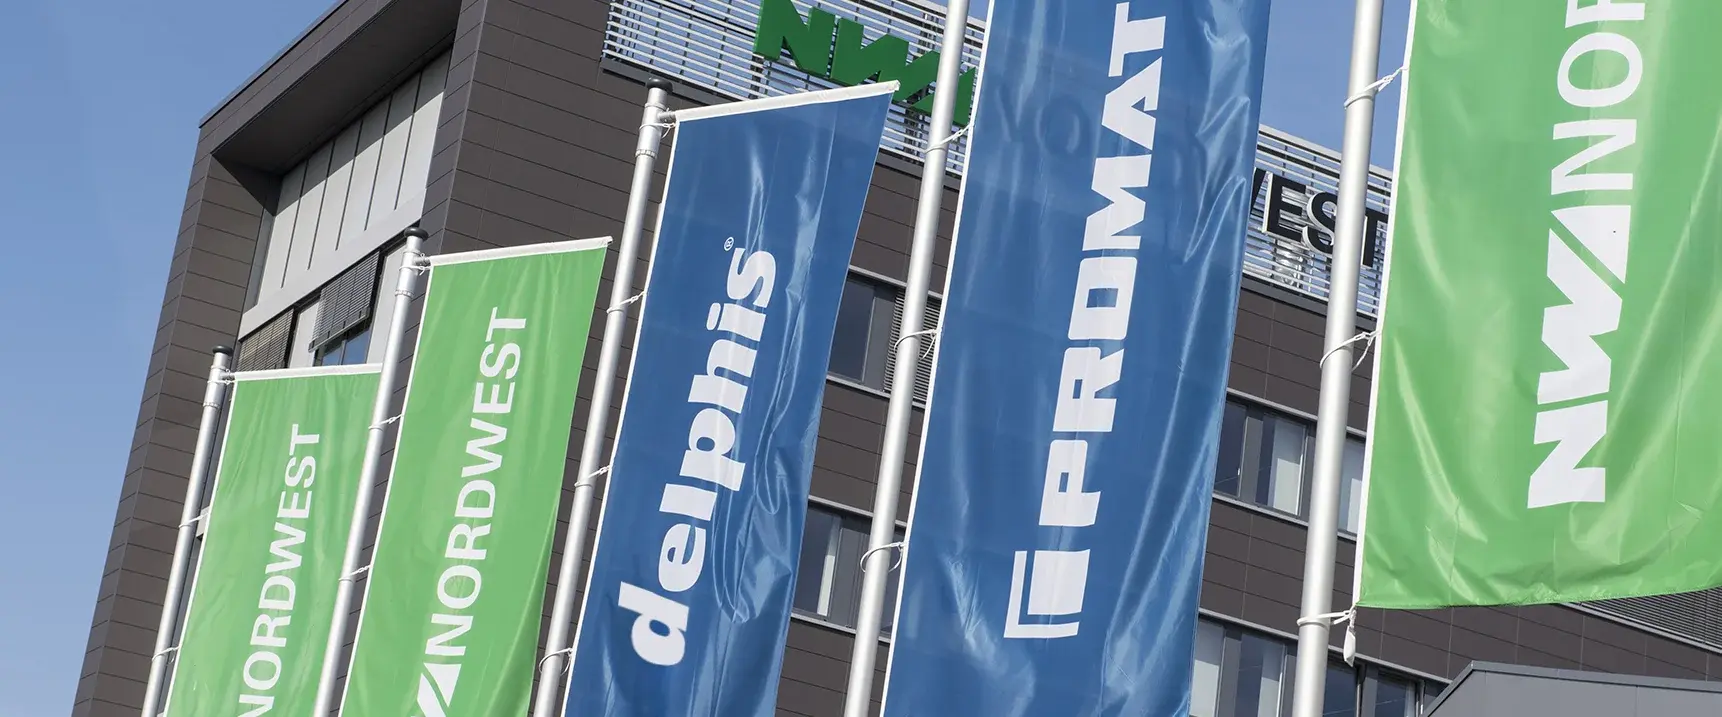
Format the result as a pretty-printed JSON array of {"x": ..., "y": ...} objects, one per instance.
[
  {"x": 349, "y": 350},
  {"x": 299, "y": 353},
  {"x": 828, "y": 584},
  {"x": 1430, "y": 691},
  {"x": 818, "y": 563},
  {"x": 1228, "y": 476},
  {"x": 1340, "y": 697},
  {"x": 1351, "y": 486},
  {"x": 1261, "y": 684},
  {"x": 1268, "y": 459},
  {"x": 862, "y": 341},
  {"x": 1393, "y": 698},
  {"x": 854, "y": 321},
  {"x": 383, "y": 305},
  {"x": 1241, "y": 673},
  {"x": 1283, "y": 489},
  {"x": 1205, "y": 688}
]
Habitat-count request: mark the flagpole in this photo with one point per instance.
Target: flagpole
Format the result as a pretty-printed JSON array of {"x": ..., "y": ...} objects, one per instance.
[
  {"x": 876, "y": 565},
  {"x": 1336, "y": 368},
  {"x": 412, "y": 264},
  {"x": 213, "y": 394},
  {"x": 557, "y": 649}
]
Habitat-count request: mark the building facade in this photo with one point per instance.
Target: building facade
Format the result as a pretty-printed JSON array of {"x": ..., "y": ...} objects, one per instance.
[{"x": 503, "y": 122}]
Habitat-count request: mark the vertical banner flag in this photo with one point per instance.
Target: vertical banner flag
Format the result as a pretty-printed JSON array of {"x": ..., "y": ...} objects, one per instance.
[
  {"x": 1056, "y": 538},
  {"x": 1544, "y": 419},
  {"x": 455, "y": 597},
  {"x": 688, "y": 602},
  {"x": 264, "y": 591}
]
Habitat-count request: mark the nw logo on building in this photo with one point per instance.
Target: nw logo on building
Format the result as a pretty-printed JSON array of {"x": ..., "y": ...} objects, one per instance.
[
  {"x": 853, "y": 60},
  {"x": 1573, "y": 401}
]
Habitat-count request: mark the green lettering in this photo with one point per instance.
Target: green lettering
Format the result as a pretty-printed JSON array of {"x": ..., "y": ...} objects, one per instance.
[
  {"x": 809, "y": 41},
  {"x": 915, "y": 78},
  {"x": 965, "y": 99},
  {"x": 855, "y": 61}
]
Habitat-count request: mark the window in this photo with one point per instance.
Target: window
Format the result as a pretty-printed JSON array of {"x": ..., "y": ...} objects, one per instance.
[
  {"x": 1264, "y": 677},
  {"x": 266, "y": 347},
  {"x": 1205, "y": 687},
  {"x": 863, "y": 332},
  {"x": 334, "y": 325},
  {"x": 1239, "y": 673},
  {"x": 829, "y": 582},
  {"x": 1340, "y": 696},
  {"x": 1243, "y": 673},
  {"x": 302, "y": 352},
  {"x": 352, "y": 348},
  {"x": 1393, "y": 697},
  {"x": 869, "y": 324},
  {"x": 1351, "y": 487},
  {"x": 1267, "y": 458}
]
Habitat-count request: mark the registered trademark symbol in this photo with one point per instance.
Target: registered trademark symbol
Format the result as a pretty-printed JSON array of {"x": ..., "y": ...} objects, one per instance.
[{"x": 729, "y": 244}]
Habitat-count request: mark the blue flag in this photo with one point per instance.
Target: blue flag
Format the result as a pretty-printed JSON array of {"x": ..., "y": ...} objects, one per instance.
[
  {"x": 1055, "y": 544},
  {"x": 688, "y": 604}
]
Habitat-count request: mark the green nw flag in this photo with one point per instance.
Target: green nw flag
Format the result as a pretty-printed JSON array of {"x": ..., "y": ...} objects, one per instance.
[
  {"x": 456, "y": 590},
  {"x": 264, "y": 592},
  {"x": 1550, "y": 377}
]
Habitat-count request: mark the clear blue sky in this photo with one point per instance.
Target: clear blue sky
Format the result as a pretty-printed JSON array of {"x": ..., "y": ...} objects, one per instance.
[{"x": 101, "y": 100}]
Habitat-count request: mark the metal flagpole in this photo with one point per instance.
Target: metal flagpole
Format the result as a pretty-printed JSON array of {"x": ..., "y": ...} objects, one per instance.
[
  {"x": 1335, "y": 403},
  {"x": 876, "y": 565},
  {"x": 213, "y": 394},
  {"x": 412, "y": 264},
  {"x": 556, "y": 650}
]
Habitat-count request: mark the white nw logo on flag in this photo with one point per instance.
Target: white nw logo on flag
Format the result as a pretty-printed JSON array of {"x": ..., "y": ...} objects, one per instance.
[{"x": 436, "y": 689}]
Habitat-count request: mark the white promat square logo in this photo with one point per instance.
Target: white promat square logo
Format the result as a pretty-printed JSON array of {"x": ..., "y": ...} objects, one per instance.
[{"x": 1055, "y": 589}]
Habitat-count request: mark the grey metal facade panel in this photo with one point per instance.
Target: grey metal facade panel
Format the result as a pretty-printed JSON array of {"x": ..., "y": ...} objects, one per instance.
[
  {"x": 338, "y": 69},
  {"x": 1499, "y": 690}
]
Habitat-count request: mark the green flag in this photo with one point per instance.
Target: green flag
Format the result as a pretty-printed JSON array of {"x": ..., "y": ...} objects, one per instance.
[
  {"x": 264, "y": 589},
  {"x": 1548, "y": 387},
  {"x": 455, "y": 596}
]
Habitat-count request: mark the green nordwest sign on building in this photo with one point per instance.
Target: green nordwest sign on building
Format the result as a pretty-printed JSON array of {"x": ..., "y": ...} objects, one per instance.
[
  {"x": 852, "y": 60},
  {"x": 264, "y": 589},
  {"x": 456, "y": 590},
  {"x": 1550, "y": 380}
]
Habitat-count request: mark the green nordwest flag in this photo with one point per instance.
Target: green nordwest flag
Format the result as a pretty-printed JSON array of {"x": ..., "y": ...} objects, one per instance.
[
  {"x": 264, "y": 591},
  {"x": 456, "y": 590},
  {"x": 1550, "y": 378}
]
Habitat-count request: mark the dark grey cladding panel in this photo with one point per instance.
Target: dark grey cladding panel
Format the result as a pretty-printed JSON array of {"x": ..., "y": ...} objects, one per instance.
[
  {"x": 1494, "y": 690},
  {"x": 353, "y": 65}
]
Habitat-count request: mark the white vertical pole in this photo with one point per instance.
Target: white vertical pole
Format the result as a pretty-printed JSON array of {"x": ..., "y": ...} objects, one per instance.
[
  {"x": 877, "y": 564},
  {"x": 544, "y": 703},
  {"x": 213, "y": 394},
  {"x": 1335, "y": 401},
  {"x": 412, "y": 263}
]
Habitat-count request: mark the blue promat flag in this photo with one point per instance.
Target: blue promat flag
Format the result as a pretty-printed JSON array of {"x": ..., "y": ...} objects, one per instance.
[
  {"x": 688, "y": 603},
  {"x": 1055, "y": 544}
]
